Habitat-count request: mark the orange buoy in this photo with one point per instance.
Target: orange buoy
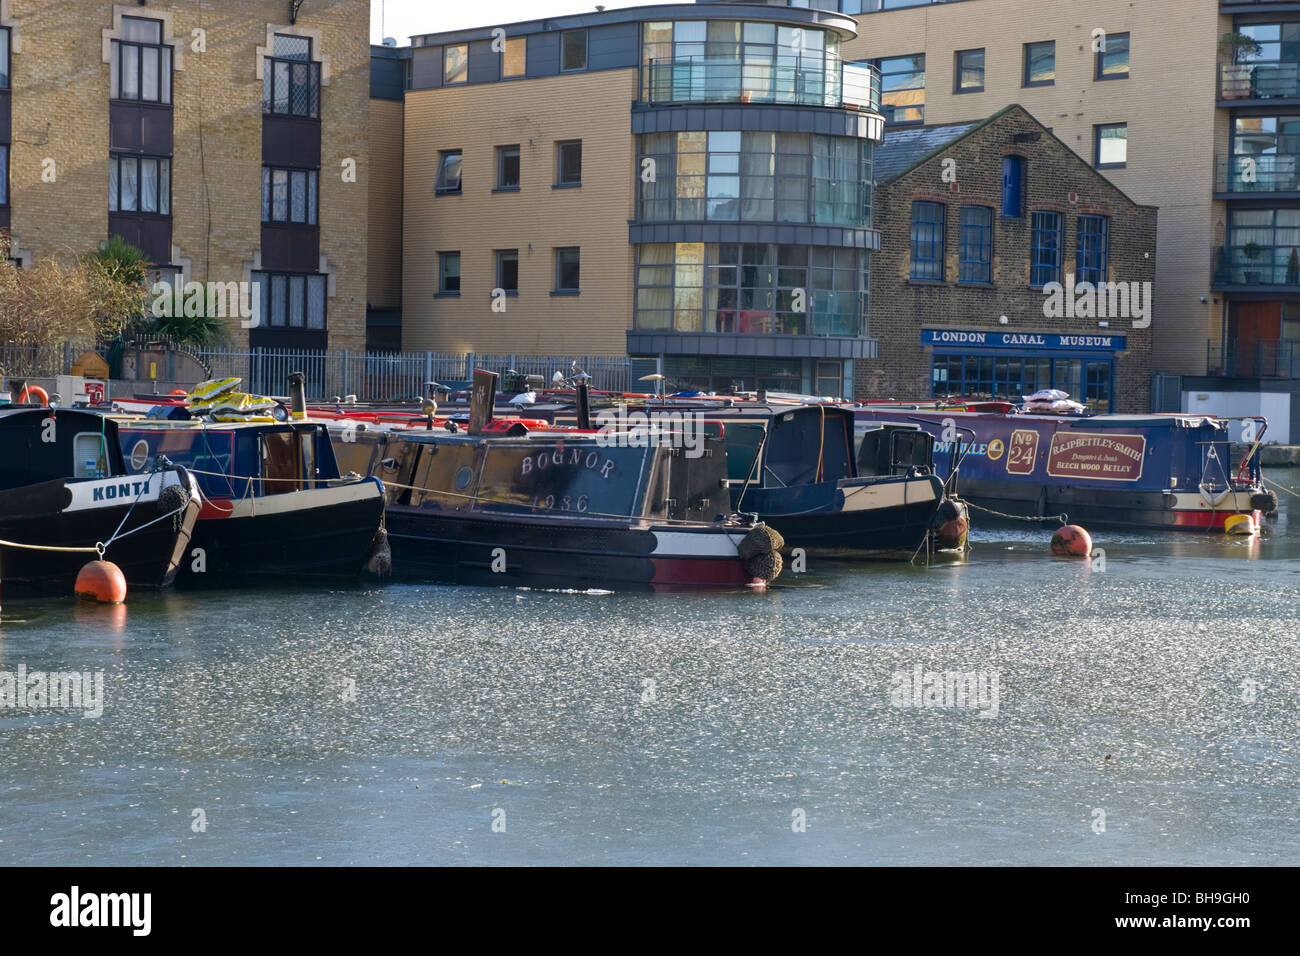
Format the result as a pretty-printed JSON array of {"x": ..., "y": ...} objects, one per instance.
[
  {"x": 101, "y": 581},
  {"x": 31, "y": 393},
  {"x": 1071, "y": 541}
]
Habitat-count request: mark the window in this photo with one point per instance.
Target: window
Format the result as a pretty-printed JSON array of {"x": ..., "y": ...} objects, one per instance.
[
  {"x": 290, "y": 80},
  {"x": 568, "y": 163},
  {"x": 927, "y": 240},
  {"x": 289, "y": 195},
  {"x": 4, "y": 58},
  {"x": 566, "y": 269},
  {"x": 1094, "y": 248},
  {"x": 1013, "y": 186},
  {"x": 291, "y": 301},
  {"x": 4, "y": 174},
  {"x": 1112, "y": 58},
  {"x": 139, "y": 184},
  {"x": 449, "y": 273},
  {"x": 508, "y": 270},
  {"x": 902, "y": 85},
  {"x": 976, "y": 261},
  {"x": 140, "y": 65},
  {"x": 514, "y": 59},
  {"x": 1260, "y": 244},
  {"x": 449, "y": 162},
  {"x": 756, "y": 176},
  {"x": 1112, "y": 146},
  {"x": 970, "y": 71},
  {"x": 1009, "y": 377},
  {"x": 508, "y": 167},
  {"x": 573, "y": 50},
  {"x": 1040, "y": 63},
  {"x": 1045, "y": 253},
  {"x": 751, "y": 288},
  {"x": 455, "y": 64}
]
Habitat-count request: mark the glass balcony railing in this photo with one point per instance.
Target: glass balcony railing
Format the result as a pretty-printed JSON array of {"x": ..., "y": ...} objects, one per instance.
[
  {"x": 811, "y": 80},
  {"x": 1277, "y": 358},
  {"x": 1270, "y": 173},
  {"x": 1255, "y": 266},
  {"x": 1259, "y": 80}
]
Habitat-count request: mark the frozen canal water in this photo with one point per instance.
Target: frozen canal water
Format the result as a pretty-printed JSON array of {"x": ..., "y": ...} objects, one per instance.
[{"x": 1147, "y": 713}]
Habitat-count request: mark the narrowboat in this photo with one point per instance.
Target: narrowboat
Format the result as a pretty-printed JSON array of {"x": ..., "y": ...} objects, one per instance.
[
  {"x": 562, "y": 509},
  {"x": 800, "y": 470},
  {"x": 64, "y": 484},
  {"x": 275, "y": 504},
  {"x": 1134, "y": 471}
]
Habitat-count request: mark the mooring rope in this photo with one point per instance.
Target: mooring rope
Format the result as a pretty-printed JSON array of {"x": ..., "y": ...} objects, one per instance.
[
  {"x": 1063, "y": 518},
  {"x": 1281, "y": 487}
]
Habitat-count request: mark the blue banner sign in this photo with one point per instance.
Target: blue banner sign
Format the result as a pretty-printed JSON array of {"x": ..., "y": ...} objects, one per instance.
[{"x": 969, "y": 339}]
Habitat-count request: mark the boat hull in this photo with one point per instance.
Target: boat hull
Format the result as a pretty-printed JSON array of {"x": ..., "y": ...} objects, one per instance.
[
  {"x": 78, "y": 514},
  {"x": 882, "y": 518},
  {"x": 312, "y": 533},
  {"x": 518, "y": 552}
]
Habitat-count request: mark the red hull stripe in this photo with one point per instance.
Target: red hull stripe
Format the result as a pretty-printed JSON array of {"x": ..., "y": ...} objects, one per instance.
[{"x": 700, "y": 572}]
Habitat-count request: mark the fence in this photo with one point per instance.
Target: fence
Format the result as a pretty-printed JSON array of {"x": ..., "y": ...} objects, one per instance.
[{"x": 370, "y": 376}]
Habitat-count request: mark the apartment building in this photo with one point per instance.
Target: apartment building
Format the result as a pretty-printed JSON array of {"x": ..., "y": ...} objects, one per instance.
[
  {"x": 688, "y": 184},
  {"x": 228, "y": 141},
  {"x": 1152, "y": 97}
]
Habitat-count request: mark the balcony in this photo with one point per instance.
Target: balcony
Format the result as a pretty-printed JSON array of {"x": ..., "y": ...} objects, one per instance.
[
  {"x": 810, "y": 80},
  {"x": 1265, "y": 175},
  {"x": 1269, "y": 80},
  {"x": 1253, "y": 359},
  {"x": 1234, "y": 268}
]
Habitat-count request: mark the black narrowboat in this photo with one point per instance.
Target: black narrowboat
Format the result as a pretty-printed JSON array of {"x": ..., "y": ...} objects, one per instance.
[
  {"x": 64, "y": 484},
  {"x": 559, "y": 509}
]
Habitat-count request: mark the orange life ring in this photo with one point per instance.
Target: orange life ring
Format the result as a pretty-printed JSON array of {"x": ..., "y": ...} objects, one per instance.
[{"x": 30, "y": 392}]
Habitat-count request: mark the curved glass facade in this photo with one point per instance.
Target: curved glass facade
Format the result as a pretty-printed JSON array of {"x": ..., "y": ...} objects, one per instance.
[
  {"x": 733, "y": 176},
  {"x": 751, "y": 289},
  {"x": 730, "y": 61}
]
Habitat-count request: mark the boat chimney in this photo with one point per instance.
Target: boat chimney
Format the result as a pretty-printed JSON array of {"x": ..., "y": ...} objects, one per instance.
[
  {"x": 298, "y": 395},
  {"x": 584, "y": 404}
]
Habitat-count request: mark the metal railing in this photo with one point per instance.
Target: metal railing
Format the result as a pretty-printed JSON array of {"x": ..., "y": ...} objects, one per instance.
[
  {"x": 809, "y": 79},
  {"x": 1259, "y": 80},
  {"x": 1273, "y": 173},
  {"x": 1234, "y": 265},
  {"x": 370, "y": 376},
  {"x": 1277, "y": 358}
]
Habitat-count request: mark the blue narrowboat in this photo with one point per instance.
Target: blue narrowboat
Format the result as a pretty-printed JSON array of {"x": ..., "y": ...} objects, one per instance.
[
  {"x": 274, "y": 502},
  {"x": 1135, "y": 471}
]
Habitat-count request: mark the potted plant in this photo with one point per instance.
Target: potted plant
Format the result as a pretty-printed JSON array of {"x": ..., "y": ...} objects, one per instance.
[
  {"x": 1237, "y": 73},
  {"x": 1251, "y": 250}
]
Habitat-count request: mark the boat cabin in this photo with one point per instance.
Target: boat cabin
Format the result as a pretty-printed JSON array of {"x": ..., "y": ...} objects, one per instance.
[
  {"x": 46, "y": 444},
  {"x": 235, "y": 460}
]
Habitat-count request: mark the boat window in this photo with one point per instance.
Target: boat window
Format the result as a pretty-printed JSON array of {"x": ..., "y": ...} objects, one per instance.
[
  {"x": 743, "y": 439},
  {"x": 281, "y": 463},
  {"x": 912, "y": 448},
  {"x": 89, "y": 456}
]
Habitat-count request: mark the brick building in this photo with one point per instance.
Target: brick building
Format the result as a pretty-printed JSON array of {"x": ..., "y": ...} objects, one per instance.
[
  {"x": 989, "y": 232},
  {"x": 229, "y": 141}
]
